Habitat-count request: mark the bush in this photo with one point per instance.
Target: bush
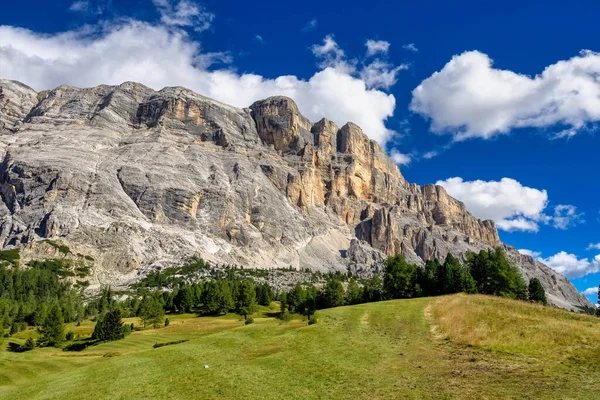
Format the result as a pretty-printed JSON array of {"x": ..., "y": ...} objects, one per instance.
[
  {"x": 249, "y": 321},
  {"x": 285, "y": 315},
  {"x": 126, "y": 330},
  {"x": 166, "y": 321},
  {"x": 29, "y": 344},
  {"x": 70, "y": 335},
  {"x": 312, "y": 320}
]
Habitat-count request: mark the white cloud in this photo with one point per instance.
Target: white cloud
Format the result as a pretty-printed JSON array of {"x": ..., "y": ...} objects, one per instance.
[
  {"x": 81, "y": 5},
  {"x": 380, "y": 74},
  {"x": 593, "y": 246},
  {"x": 531, "y": 253},
  {"x": 331, "y": 55},
  {"x": 400, "y": 158},
  {"x": 430, "y": 154},
  {"x": 259, "y": 39},
  {"x": 159, "y": 55},
  {"x": 589, "y": 291},
  {"x": 566, "y": 216},
  {"x": 310, "y": 25},
  {"x": 511, "y": 205},
  {"x": 184, "y": 14},
  {"x": 377, "y": 46},
  {"x": 410, "y": 47},
  {"x": 570, "y": 266},
  {"x": 469, "y": 98}
]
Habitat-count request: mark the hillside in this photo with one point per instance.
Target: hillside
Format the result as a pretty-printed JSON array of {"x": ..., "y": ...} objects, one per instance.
[
  {"x": 136, "y": 179},
  {"x": 449, "y": 347}
]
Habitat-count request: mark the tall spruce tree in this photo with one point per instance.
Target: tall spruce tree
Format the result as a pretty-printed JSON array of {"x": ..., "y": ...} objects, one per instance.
[
  {"x": 334, "y": 294},
  {"x": 400, "y": 278},
  {"x": 246, "y": 299},
  {"x": 110, "y": 326},
  {"x": 52, "y": 331},
  {"x": 536, "y": 291}
]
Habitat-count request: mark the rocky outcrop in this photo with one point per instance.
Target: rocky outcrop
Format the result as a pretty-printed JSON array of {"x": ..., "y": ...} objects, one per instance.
[{"x": 138, "y": 179}]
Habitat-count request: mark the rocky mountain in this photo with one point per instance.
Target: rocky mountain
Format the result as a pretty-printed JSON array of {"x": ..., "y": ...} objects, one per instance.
[{"x": 137, "y": 179}]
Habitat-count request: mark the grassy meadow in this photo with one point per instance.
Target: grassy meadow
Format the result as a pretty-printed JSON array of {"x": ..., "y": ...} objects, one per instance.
[{"x": 459, "y": 346}]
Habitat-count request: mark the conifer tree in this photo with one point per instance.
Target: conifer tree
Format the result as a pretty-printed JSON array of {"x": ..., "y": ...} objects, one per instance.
[
  {"x": 246, "y": 299},
  {"x": 52, "y": 331},
  {"x": 536, "y": 291}
]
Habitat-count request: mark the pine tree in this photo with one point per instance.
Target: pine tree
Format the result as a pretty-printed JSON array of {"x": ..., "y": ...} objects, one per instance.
[
  {"x": 334, "y": 293},
  {"x": 109, "y": 327},
  {"x": 52, "y": 331},
  {"x": 151, "y": 312},
  {"x": 246, "y": 299},
  {"x": 400, "y": 278},
  {"x": 536, "y": 291},
  {"x": 353, "y": 293}
]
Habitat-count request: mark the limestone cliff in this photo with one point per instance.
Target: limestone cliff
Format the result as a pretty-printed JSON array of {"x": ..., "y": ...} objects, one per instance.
[{"x": 139, "y": 179}]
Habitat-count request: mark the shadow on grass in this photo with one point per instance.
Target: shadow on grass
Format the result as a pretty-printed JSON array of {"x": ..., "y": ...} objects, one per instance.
[{"x": 81, "y": 345}]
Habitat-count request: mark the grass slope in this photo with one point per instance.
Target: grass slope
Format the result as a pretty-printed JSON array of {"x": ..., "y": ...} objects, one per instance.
[{"x": 440, "y": 348}]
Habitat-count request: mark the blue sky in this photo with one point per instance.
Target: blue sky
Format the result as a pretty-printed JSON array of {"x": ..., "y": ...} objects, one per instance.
[{"x": 506, "y": 115}]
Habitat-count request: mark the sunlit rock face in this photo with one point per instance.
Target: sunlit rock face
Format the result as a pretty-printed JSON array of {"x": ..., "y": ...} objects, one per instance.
[{"x": 139, "y": 179}]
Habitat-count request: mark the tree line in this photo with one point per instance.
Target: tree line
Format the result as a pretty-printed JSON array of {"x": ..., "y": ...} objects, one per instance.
[{"x": 39, "y": 297}]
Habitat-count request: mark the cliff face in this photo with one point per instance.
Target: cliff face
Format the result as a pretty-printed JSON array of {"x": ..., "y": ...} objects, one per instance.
[{"x": 139, "y": 179}]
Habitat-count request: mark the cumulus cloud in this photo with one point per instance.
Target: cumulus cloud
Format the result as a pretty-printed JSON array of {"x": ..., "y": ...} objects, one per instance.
[
  {"x": 160, "y": 55},
  {"x": 184, "y": 13},
  {"x": 589, "y": 291},
  {"x": 570, "y": 266},
  {"x": 377, "y": 46},
  {"x": 593, "y": 246},
  {"x": 469, "y": 98},
  {"x": 511, "y": 205},
  {"x": 531, "y": 253},
  {"x": 567, "y": 264},
  {"x": 310, "y": 25},
  {"x": 380, "y": 74},
  {"x": 400, "y": 158},
  {"x": 410, "y": 47}
]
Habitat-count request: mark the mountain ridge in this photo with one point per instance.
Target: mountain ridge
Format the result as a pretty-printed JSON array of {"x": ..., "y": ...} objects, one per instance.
[{"x": 139, "y": 179}]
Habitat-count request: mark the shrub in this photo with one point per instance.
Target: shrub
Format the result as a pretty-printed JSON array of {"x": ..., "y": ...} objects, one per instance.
[
  {"x": 312, "y": 320},
  {"x": 167, "y": 322},
  {"x": 70, "y": 335},
  {"x": 285, "y": 315},
  {"x": 249, "y": 321},
  {"x": 29, "y": 344}
]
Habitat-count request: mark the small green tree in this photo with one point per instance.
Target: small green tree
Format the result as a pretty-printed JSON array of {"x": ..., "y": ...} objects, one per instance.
[
  {"x": 167, "y": 322},
  {"x": 400, "y": 278},
  {"x": 310, "y": 303},
  {"x": 109, "y": 327},
  {"x": 536, "y": 291},
  {"x": 354, "y": 293},
  {"x": 52, "y": 331},
  {"x": 29, "y": 344},
  {"x": 333, "y": 293},
  {"x": 246, "y": 299},
  {"x": 151, "y": 312}
]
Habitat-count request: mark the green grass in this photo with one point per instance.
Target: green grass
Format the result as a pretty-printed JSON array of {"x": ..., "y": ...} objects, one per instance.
[
  {"x": 12, "y": 256},
  {"x": 431, "y": 348}
]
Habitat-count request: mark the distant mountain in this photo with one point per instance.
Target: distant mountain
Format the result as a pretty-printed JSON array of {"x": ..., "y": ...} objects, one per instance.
[{"x": 137, "y": 179}]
